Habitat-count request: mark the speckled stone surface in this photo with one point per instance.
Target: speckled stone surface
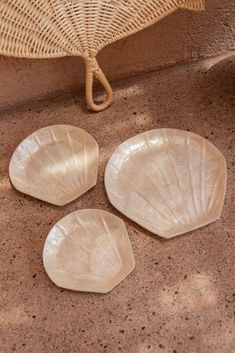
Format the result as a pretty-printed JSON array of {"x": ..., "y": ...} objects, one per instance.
[{"x": 180, "y": 297}]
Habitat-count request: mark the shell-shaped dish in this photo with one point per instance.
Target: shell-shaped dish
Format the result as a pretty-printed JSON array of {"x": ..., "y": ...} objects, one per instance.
[
  {"x": 88, "y": 250},
  {"x": 56, "y": 164},
  {"x": 168, "y": 181}
]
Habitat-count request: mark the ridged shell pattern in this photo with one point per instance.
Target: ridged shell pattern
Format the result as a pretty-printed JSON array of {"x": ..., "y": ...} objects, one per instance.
[
  {"x": 55, "y": 164},
  {"x": 168, "y": 181},
  {"x": 42, "y": 28},
  {"x": 88, "y": 250}
]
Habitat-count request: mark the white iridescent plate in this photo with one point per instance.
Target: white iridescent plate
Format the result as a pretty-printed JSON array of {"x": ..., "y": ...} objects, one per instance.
[
  {"x": 168, "y": 181},
  {"x": 88, "y": 250},
  {"x": 56, "y": 164}
]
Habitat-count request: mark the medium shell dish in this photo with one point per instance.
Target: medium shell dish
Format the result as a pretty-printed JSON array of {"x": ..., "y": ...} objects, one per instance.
[
  {"x": 56, "y": 164},
  {"x": 88, "y": 250},
  {"x": 168, "y": 181}
]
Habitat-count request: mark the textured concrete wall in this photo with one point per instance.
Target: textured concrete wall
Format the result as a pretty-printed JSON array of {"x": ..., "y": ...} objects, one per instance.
[{"x": 181, "y": 37}]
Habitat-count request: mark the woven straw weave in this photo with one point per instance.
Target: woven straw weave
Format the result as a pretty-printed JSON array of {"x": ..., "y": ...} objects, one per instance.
[{"x": 55, "y": 28}]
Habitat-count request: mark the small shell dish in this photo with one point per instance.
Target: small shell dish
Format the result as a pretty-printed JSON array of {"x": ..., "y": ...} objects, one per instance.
[
  {"x": 88, "y": 250},
  {"x": 168, "y": 181},
  {"x": 56, "y": 164}
]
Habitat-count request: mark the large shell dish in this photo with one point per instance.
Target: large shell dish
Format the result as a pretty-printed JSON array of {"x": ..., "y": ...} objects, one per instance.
[
  {"x": 46, "y": 29},
  {"x": 168, "y": 181},
  {"x": 88, "y": 250},
  {"x": 55, "y": 164}
]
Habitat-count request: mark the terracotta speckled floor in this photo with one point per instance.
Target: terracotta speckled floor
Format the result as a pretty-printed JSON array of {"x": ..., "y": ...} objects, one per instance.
[{"x": 181, "y": 296}]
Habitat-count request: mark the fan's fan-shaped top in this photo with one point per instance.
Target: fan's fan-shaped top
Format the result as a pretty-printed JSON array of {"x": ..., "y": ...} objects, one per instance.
[{"x": 53, "y": 28}]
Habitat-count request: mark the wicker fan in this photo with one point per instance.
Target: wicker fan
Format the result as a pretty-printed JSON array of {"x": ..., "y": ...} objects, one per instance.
[{"x": 55, "y": 28}]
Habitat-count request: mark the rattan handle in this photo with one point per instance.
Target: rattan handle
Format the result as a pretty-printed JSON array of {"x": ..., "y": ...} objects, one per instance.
[{"x": 93, "y": 69}]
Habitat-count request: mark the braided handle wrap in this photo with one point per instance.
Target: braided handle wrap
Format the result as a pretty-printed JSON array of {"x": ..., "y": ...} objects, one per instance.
[{"x": 93, "y": 69}]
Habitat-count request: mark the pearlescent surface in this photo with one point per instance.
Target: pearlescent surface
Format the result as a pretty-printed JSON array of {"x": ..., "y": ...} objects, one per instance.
[
  {"x": 168, "y": 181},
  {"x": 56, "y": 164},
  {"x": 88, "y": 250}
]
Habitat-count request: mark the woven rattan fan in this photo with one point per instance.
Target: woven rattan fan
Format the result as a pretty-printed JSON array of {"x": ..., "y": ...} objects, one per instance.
[{"x": 56, "y": 28}]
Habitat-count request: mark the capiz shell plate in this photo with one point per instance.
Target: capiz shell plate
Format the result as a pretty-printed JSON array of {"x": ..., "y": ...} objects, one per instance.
[
  {"x": 56, "y": 164},
  {"x": 168, "y": 181},
  {"x": 88, "y": 250}
]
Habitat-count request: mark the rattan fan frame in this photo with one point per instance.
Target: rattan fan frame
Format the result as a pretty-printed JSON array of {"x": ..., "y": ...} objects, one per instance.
[{"x": 89, "y": 56}]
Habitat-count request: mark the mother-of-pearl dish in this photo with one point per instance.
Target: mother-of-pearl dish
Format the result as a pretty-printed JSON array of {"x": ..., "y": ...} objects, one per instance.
[
  {"x": 88, "y": 250},
  {"x": 55, "y": 164},
  {"x": 168, "y": 181}
]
